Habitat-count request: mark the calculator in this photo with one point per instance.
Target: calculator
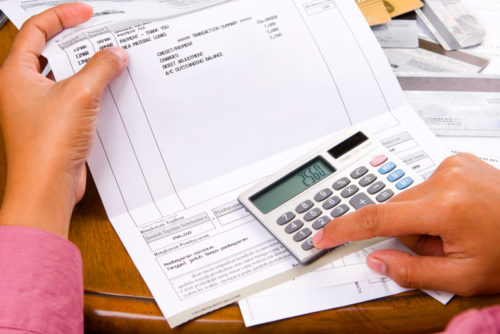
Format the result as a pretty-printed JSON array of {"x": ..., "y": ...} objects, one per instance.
[{"x": 346, "y": 173}]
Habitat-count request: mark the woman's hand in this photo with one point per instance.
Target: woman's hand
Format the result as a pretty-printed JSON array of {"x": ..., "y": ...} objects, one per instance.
[
  {"x": 48, "y": 126},
  {"x": 452, "y": 221}
]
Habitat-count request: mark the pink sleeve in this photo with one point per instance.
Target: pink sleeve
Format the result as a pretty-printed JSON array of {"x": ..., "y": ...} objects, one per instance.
[
  {"x": 485, "y": 321},
  {"x": 41, "y": 284}
]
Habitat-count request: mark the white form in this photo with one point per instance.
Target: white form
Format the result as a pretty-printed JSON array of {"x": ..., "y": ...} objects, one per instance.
[
  {"x": 344, "y": 282},
  {"x": 211, "y": 102},
  {"x": 463, "y": 110}
]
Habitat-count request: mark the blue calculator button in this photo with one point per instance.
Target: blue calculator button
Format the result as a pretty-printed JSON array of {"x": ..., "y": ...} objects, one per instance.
[
  {"x": 396, "y": 175},
  {"x": 404, "y": 183},
  {"x": 387, "y": 167}
]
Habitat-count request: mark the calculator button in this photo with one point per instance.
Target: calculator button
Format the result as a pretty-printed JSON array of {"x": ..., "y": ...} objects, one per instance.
[
  {"x": 386, "y": 168},
  {"x": 339, "y": 184},
  {"x": 396, "y": 175},
  {"x": 367, "y": 180},
  {"x": 385, "y": 195},
  {"x": 308, "y": 245},
  {"x": 304, "y": 206},
  {"x": 358, "y": 172},
  {"x": 321, "y": 222},
  {"x": 322, "y": 195},
  {"x": 294, "y": 226},
  {"x": 349, "y": 191},
  {"x": 376, "y": 187},
  {"x": 404, "y": 183},
  {"x": 331, "y": 202},
  {"x": 314, "y": 213},
  {"x": 360, "y": 200},
  {"x": 377, "y": 161},
  {"x": 339, "y": 210},
  {"x": 285, "y": 218},
  {"x": 302, "y": 234}
]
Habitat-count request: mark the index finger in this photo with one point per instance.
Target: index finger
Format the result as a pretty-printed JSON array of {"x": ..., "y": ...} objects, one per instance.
[
  {"x": 386, "y": 220},
  {"x": 34, "y": 34}
]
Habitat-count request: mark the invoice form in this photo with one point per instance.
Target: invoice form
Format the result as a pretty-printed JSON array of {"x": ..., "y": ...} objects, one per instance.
[{"x": 211, "y": 102}]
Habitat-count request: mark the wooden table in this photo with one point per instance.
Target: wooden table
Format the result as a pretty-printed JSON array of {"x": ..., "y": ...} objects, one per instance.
[{"x": 118, "y": 301}]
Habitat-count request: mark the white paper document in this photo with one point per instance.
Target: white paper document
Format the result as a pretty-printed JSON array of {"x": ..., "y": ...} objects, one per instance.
[
  {"x": 343, "y": 282},
  {"x": 487, "y": 12},
  {"x": 211, "y": 102}
]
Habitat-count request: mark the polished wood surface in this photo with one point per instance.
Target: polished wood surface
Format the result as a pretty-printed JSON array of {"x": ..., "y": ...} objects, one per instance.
[{"x": 118, "y": 301}]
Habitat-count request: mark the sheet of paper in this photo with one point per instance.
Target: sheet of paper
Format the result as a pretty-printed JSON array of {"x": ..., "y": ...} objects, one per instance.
[
  {"x": 19, "y": 11},
  {"x": 462, "y": 109},
  {"x": 487, "y": 12},
  {"x": 468, "y": 114},
  {"x": 421, "y": 60},
  {"x": 397, "y": 34},
  {"x": 211, "y": 102},
  {"x": 344, "y": 282}
]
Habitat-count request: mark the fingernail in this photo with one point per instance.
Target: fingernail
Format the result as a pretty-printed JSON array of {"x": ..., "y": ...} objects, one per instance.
[
  {"x": 121, "y": 53},
  {"x": 317, "y": 238},
  {"x": 376, "y": 265}
]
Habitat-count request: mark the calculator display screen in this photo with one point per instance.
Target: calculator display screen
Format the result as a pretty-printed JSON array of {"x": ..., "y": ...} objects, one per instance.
[{"x": 291, "y": 185}]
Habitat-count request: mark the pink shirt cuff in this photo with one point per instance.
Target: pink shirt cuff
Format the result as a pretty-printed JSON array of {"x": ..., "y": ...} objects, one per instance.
[
  {"x": 485, "y": 321},
  {"x": 41, "y": 283}
]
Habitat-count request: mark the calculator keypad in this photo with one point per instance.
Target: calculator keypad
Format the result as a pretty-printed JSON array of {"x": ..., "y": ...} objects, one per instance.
[{"x": 352, "y": 190}]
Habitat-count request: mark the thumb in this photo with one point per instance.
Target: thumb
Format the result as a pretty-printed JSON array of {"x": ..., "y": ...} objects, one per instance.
[
  {"x": 420, "y": 272},
  {"x": 103, "y": 67}
]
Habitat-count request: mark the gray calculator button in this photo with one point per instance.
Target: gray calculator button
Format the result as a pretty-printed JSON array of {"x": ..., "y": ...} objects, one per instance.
[
  {"x": 322, "y": 195},
  {"x": 294, "y": 226},
  {"x": 376, "y": 187},
  {"x": 358, "y": 172},
  {"x": 308, "y": 245},
  {"x": 349, "y": 191},
  {"x": 339, "y": 210},
  {"x": 314, "y": 213},
  {"x": 341, "y": 183},
  {"x": 367, "y": 180},
  {"x": 385, "y": 195},
  {"x": 331, "y": 202},
  {"x": 302, "y": 234},
  {"x": 321, "y": 222},
  {"x": 360, "y": 200},
  {"x": 285, "y": 218},
  {"x": 304, "y": 206}
]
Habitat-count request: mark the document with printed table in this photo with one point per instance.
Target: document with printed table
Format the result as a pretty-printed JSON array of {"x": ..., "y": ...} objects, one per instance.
[{"x": 217, "y": 95}]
